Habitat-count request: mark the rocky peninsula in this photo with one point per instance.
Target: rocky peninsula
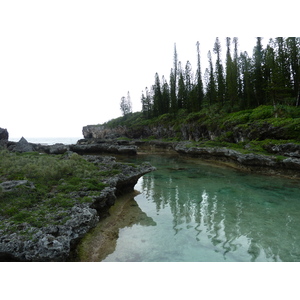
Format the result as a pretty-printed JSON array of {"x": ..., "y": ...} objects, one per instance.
[{"x": 51, "y": 196}]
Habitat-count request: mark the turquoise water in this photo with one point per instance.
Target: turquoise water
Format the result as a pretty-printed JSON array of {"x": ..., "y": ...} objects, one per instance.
[{"x": 196, "y": 211}]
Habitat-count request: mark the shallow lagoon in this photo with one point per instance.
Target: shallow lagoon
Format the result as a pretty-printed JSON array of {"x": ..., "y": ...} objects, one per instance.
[{"x": 189, "y": 210}]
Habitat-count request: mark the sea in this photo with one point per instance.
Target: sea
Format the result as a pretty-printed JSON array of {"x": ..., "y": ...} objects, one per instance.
[{"x": 49, "y": 140}]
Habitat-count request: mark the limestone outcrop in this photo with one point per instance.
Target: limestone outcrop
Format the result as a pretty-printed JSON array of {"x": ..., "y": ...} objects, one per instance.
[
  {"x": 191, "y": 131},
  {"x": 101, "y": 132}
]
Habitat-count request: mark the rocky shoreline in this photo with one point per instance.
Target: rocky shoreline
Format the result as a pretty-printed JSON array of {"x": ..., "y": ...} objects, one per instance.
[
  {"x": 263, "y": 164},
  {"x": 56, "y": 243},
  {"x": 280, "y": 160},
  {"x": 84, "y": 146},
  {"x": 52, "y": 243}
]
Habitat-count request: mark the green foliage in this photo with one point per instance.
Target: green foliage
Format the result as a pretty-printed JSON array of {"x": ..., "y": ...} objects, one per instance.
[
  {"x": 55, "y": 178},
  {"x": 149, "y": 138},
  {"x": 216, "y": 118},
  {"x": 262, "y": 112},
  {"x": 131, "y": 120},
  {"x": 237, "y": 118},
  {"x": 165, "y": 118},
  {"x": 61, "y": 200}
]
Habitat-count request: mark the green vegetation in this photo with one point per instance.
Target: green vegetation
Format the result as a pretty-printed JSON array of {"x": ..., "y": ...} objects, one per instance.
[
  {"x": 246, "y": 99},
  {"x": 55, "y": 179},
  {"x": 264, "y": 125},
  {"x": 285, "y": 117},
  {"x": 270, "y": 77}
]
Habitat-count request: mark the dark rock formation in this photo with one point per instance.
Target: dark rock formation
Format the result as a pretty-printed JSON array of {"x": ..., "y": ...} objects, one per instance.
[
  {"x": 99, "y": 146},
  {"x": 23, "y": 146},
  {"x": 58, "y": 149},
  {"x": 3, "y": 137},
  {"x": 3, "y": 134}
]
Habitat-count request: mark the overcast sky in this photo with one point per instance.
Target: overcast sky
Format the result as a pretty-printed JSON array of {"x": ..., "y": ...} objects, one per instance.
[{"x": 66, "y": 64}]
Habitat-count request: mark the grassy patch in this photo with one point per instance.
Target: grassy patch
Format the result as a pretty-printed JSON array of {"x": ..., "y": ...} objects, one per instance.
[
  {"x": 233, "y": 119},
  {"x": 54, "y": 177}
]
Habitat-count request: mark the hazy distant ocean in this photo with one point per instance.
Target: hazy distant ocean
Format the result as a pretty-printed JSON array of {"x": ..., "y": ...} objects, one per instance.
[{"x": 50, "y": 140}]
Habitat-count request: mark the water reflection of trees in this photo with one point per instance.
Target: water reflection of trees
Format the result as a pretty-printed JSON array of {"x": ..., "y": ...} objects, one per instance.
[
  {"x": 234, "y": 217},
  {"x": 102, "y": 240}
]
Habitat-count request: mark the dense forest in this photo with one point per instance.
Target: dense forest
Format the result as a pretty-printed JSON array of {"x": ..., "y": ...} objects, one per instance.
[{"x": 270, "y": 77}]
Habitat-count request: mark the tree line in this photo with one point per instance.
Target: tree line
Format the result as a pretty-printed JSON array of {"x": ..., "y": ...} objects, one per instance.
[{"x": 270, "y": 76}]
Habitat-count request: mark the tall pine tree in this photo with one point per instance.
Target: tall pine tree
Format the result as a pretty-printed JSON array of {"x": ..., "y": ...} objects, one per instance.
[
  {"x": 211, "y": 93},
  {"x": 247, "y": 90},
  {"x": 189, "y": 80},
  {"x": 219, "y": 73},
  {"x": 258, "y": 80},
  {"x": 157, "y": 97},
  {"x": 235, "y": 72},
  {"x": 293, "y": 44},
  {"x": 181, "y": 95},
  {"x": 199, "y": 84},
  {"x": 165, "y": 95},
  {"x": 173, "y": 82},
  {"x": 232, "y": 74}
]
